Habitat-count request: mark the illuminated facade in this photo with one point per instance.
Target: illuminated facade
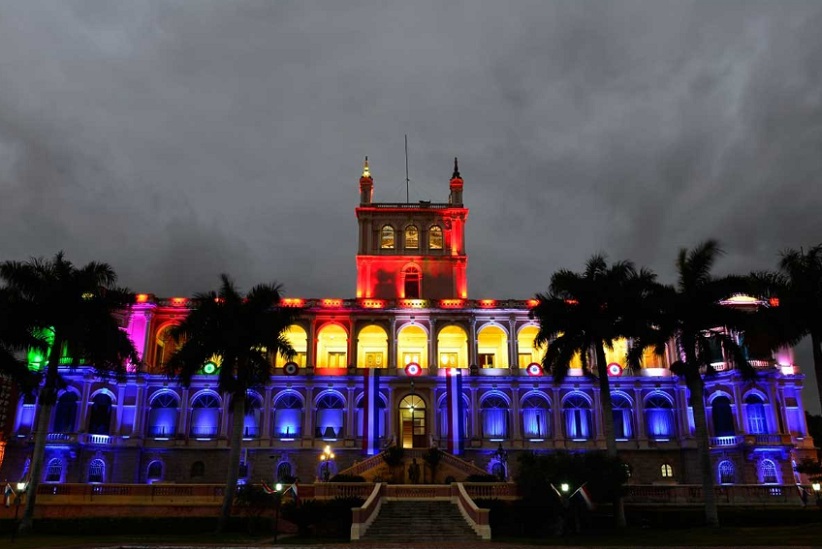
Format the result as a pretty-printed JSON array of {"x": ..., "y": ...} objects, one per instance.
[{"x": 409, "y": 360}]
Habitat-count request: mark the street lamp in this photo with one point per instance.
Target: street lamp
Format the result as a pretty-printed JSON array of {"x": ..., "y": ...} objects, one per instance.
[
  {"x": 564, "y": 487},
  {"x": 325, "y": 458},
  {"x": 816, "y": 487},
  {"x": 278, "y": 497},
  {"x": 18, "y": 500}
]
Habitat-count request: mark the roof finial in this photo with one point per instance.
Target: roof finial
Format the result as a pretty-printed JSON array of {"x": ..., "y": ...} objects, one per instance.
[
  {"x": 366, "y": 172},
  {"x": 456, "y": 170}
]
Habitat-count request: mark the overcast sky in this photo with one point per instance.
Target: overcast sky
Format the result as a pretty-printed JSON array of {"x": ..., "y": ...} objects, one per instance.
[{"x": 178, "y": 140}]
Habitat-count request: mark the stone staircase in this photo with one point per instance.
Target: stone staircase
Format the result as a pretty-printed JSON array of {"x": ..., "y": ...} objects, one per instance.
[{"x": 419, "y": 521}]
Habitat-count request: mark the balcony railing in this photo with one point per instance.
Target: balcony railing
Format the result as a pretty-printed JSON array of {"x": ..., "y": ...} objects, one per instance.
[{"x": 725, "y": 441}]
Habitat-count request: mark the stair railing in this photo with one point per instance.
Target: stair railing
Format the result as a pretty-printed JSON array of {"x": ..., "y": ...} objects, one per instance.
[
  {"x": 364, "y": 516},
  {"x": 477, "y": 518}
]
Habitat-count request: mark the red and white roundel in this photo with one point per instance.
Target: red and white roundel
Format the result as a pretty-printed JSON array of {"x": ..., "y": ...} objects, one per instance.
[
  {"x": 614, "y": 369},
  {"x": 291, "y": 368},
  {"x": 413, "y": 369},
  {"x": 534, "y": 369}
]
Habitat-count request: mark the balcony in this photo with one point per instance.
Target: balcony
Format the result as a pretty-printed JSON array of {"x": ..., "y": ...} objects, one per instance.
[
  {"x": 768, "y": 440},
  {"x": 726, "y": 441}
]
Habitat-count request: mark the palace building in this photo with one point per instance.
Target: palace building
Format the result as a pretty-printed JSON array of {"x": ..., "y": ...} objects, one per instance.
[{"x": 410, "y": 360}]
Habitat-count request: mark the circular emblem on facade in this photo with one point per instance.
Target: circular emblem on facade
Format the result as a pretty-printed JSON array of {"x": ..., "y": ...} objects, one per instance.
[
  {"x": 534, "y": 369},
  {"x": 291, "y": 368},
  {"x": 209, "y": 368},
  {"x": 614, "y": 369},
  {"x": 413, "y": 369}
]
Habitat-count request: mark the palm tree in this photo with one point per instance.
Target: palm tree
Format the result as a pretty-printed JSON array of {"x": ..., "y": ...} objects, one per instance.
[
  {"x": 243, "y": 331},
  {"x": 798, "y": 288},
  {"x": 16, "y": 337},
  {"x": 588, "y": 311},
  {"x": 692, "y": 315},
  {"x": 71, "y": 310}
]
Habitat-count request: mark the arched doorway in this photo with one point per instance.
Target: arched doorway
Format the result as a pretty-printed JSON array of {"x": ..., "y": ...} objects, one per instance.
[{"x": 412, "y": 422}]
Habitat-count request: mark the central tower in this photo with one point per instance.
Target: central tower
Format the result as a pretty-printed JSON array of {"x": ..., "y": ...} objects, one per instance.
[{"x": 411, "y": 250}]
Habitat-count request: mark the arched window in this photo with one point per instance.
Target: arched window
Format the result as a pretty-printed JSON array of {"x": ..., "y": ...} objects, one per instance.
[
  {"x": 54, "y": 470},
  {"x": 284, "y": 472},
  {"x": 99, "y": 421},
  {"x": 205, "y": 415},
  {"x": 623, "y": 417},
  {"x": 287, "y": 415},
  {"x": 380, "y": 422},
  {"x": 251, "y": 422},
  {"x": 298, "y": 338},
  {"x": 197, "y": 469},
  {"x": 492, "y": 347},
  {"x": 164, "y": 347},
  {"x": 767, "y": 471},
  {"x": 452, "y": 343},
  {"x": 412, "y": 346},
  {"x": 435, "y": 238},
  {"x": 97, "y": 471},
  {"x": 723, "y": 418},
  {"x": 727, "y": 472},
  {"x": 666, "y": 470},
  {"x": 154, "y": 471},
  {"x": 536, "y": 417},
  {"x": 372, "y": 347},
  {"x": 332, "y": 346},
  {"x": 387, "y": 238},
  {"x": 65, "y": 413},
  {"x": 412, "y": 238},
  {"x": 659, "y": 416},
  {"x": 444, "y": 427},
  {"x": 757, "y": 420},
  {"x": 330, "y": 408},
  {"x": 526, "y": 352},
  {"x": 494, "y": 417},
  {"x": 412, "y": 282},
  {"x": 577, "y": 412},
  {"x": 162, "y": 419}
]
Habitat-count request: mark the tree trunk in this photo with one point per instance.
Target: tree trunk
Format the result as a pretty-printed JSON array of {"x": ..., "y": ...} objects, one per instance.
[
  {"x": 45, "y": 405},
  {"x": 238, "y": 417},
  {"x": 608, "y": 426},
  {"x": 703, "y": 447},
  {"x": 816, "y": 343}
]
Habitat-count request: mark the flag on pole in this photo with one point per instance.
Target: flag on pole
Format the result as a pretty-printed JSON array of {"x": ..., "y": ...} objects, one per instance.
[
  {"x": 585, "y": 494},
  {"x": 371, "y": 412},
  {"x": 294, "y": 494},
  {"x": 455, "y": 409}
]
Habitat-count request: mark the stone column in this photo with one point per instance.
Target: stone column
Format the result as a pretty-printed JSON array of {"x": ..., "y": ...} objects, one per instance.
[
  {"x": 597, "y": 412},
  {"x": 472, "y": 341},
  {"x": 558, "y": 430},
  {"x": 639, "y": 412},
  {"x": 84, "y": 405},
  {"x": 185, "y": 413},
  {"x": 516, "y": 431},
  {"x": 433, "y": 357},
  {"x": 267, "y": 411}
]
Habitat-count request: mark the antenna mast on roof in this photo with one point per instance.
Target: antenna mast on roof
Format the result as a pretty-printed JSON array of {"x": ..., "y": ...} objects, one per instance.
[{"x": 407, "y": 200}]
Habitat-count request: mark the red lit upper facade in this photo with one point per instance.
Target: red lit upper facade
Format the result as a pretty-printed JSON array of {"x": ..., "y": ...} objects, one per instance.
[{"x": 411, "y": 250}]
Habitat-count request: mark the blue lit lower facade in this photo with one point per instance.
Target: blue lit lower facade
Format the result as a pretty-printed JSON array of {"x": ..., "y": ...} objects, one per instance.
[{"x": 148, "y": 430}]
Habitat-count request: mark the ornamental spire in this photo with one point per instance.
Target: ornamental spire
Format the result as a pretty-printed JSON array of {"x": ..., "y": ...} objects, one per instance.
[
  {"x": 456, "y": 174},
  {"x": 366, "y": 171}
]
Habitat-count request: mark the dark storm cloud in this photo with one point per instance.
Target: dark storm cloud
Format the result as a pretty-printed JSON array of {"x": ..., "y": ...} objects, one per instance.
[{"x": 176, "y": 140}]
